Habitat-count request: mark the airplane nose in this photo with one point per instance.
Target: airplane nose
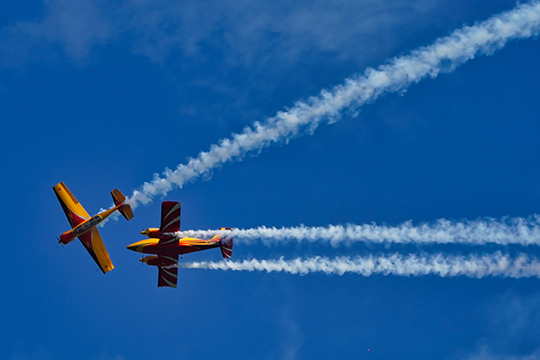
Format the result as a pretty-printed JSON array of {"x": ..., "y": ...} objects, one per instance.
[{"x": 137, "y": 247}]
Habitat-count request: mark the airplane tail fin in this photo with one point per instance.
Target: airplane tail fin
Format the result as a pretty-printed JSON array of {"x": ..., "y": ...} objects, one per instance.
[
  {"x": 125, "y": 209},
  {"x": 226, "y": 242}
]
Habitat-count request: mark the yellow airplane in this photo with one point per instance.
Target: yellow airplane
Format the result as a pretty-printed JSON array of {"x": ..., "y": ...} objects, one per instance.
[{"x": 84, "y": 226}]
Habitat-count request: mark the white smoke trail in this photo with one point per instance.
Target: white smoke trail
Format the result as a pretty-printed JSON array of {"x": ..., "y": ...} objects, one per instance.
[
  {"x": 520, "y": 231},
  {"x": 473, "y": 266},
  {"x": 444, "y": 55}
]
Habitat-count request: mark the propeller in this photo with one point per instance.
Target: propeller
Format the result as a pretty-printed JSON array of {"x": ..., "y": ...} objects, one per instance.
[{"x": 60, "y": 241}]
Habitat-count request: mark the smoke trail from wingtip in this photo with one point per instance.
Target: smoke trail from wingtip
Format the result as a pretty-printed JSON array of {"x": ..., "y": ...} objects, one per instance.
[
  {"x": 473, "y": 266},
  {"x": 520, "y": 231},
  {"x": 444, "y": 55}
]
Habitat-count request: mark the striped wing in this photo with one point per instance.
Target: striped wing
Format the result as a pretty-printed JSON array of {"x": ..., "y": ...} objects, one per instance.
[
  {"x": 170, "y": 216},
  {"x": 72, "y": 208},
  {"x": 93, "y": 243},
  {"x": 168, "y": 275}
]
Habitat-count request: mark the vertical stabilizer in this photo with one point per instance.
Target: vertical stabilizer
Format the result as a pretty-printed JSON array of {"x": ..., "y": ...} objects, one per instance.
[{"x": 226, "y": 245}]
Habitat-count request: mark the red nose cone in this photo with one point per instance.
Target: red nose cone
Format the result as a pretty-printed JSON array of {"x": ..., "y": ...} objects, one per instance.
[{"x": 66, "y": 238}]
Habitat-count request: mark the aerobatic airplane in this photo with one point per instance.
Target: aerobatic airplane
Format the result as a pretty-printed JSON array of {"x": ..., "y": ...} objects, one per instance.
[
  {"x": 167, "y": 244},
  {"x": 84, "y": 226}
]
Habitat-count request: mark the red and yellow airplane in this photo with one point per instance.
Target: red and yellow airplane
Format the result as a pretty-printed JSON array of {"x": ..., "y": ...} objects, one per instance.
[
  {"x": 84, "y": 226},
  {"x": 167, "y": 244}
]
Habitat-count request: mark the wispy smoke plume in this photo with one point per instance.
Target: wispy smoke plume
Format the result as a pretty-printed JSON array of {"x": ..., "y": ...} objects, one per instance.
[
  {"x": 473, "y": 266},
  {"x": 444, "y": 55},
  {"x": 521, "y": 231}
]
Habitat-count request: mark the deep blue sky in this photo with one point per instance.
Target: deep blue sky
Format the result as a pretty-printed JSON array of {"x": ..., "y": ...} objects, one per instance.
[{"x": 102, "y": 96}]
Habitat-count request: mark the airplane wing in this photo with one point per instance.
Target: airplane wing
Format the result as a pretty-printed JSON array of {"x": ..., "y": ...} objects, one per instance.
[
  {"x": 168, "y": 275},
  {"x": 93, "y": 243},
  {"x": 170, "y": 216},
  {"x": 72, "y": 208}
]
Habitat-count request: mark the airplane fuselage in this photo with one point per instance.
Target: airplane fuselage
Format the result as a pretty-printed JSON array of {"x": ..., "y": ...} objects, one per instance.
[
  {"x": 85, "y": 225},
  {"x": 174, "y": 246}
]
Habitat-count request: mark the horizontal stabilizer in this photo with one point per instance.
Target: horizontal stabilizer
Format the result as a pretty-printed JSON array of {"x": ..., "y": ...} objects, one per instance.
[
  {"x": 126, "y": 211},
  {"x": 118, "y": 197}
]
